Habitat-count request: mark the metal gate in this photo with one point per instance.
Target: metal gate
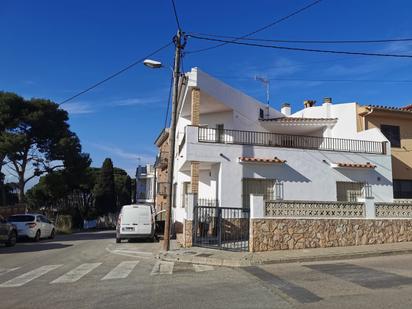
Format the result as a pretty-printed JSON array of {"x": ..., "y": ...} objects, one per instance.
[{"x": 224, "y": 228}]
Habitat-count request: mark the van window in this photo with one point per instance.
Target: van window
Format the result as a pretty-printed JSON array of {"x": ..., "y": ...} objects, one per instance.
[{"x": 136, "y": 215}]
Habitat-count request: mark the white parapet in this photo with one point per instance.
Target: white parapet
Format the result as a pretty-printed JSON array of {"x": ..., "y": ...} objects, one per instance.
[
  {"x": 370, "y": 212},
  {"x": 257, "y": 206}
]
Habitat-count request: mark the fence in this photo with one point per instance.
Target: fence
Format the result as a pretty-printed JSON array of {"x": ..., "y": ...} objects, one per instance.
[
  {"x": 226, "y": 136},
  {"x": 314, "y": 209},
  {"x": 393, "y": 210}
]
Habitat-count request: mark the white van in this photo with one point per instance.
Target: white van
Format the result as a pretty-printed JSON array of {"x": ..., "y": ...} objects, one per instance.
[{"x": 135, "y": 221}]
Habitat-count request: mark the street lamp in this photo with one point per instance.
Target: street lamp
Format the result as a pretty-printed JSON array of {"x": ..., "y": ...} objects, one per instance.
[{"x": 153, "y": 64}]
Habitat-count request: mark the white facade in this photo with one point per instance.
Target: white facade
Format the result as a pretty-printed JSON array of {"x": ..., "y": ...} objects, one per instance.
[
  {"x": 145, "y": 176},
  {"x": 307, "y": 174}
]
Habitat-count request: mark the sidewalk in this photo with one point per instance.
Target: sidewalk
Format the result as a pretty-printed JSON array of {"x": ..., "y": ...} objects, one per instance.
[{"x": 198, "y": 255}]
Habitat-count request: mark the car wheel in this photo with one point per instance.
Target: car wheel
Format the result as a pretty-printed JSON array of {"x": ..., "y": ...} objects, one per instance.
[
  {"x": 53, "y": 234},
  {"x": 37, "y": 236},
  {"x": 11, "y": 242},
  {"x": 118, "y": 240}
]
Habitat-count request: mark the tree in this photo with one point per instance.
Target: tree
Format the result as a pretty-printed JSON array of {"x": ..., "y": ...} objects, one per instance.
[
  {"x": 40, "y": 140},
  {"x": 11, "y": 110},
  {"x": 105, "y": 198},
  {"x": 122, "y": 188}
]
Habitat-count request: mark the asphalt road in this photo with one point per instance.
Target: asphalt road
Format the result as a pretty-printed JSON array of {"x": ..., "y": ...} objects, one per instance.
[{"x": 88, "y": 270}]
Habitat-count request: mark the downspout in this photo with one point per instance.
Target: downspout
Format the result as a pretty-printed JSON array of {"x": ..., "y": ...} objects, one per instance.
[{"x": 364, "y": 118}]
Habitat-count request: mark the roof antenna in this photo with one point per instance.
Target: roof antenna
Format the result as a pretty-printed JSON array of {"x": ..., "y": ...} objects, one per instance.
[{"x": 265, "y": 83}]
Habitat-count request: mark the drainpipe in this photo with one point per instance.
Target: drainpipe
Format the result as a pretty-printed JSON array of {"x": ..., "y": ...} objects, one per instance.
[{"x": 364, "y": 118}]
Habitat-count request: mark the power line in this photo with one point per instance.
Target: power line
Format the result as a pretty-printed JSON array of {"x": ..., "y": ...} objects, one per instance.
[
  {"x": 115, "y": 74},
  {"x": 259, "y": 29},
  {"x": 302, "y": 49},
  {"x": 168, "y": 103},
  {"x": 175, "y": 13},
  {"x": 304, "y": 41}
]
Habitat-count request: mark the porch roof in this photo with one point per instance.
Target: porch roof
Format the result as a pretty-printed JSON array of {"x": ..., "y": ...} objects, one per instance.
[
  {"x": 366, "y": 165},
  {"x": 261, "y": 160},
  {"x": 297, "y": 125}
]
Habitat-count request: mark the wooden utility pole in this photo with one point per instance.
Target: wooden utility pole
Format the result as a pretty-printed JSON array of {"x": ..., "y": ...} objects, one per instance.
[{"x": 179, "y": 42}]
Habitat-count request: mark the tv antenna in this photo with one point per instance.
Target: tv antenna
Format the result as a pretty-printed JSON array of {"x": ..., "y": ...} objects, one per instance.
[{"x": 266, "y": 83}]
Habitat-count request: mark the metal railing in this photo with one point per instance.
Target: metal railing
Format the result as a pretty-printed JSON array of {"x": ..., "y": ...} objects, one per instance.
[
  {"x": 226, "y": 136},
  {"x": 393, "y": 210},
  {"x": 314, "y": 209}
]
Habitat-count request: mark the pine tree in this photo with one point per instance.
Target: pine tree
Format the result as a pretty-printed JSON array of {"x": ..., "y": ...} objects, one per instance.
[{"x": 105, "y": 197}]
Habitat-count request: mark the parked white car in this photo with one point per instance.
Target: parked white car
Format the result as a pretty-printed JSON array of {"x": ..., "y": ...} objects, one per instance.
[
  {"x": 33, "y": 226},
  {"x": 135, "y": 221}
]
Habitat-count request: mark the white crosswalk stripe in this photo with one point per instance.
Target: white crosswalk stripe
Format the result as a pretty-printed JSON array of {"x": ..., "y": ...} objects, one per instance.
[
  {"x": 201, "y": 268},
  {"x": 29, "y": 276},
  {"x": 7, "y": 270},
  {"x": 77, "y": 273},
  {"x": 121, "y": 271},
  {"x": 162, "y": 268}
]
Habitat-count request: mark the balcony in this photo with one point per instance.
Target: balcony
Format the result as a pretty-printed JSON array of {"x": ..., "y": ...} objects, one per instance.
[{"x": 225, "y": 136}]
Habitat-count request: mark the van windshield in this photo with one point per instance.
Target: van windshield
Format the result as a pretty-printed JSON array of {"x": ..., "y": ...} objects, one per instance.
[
  {"x": 136, "y": 215},
  {"x": 21, "y": 218}
]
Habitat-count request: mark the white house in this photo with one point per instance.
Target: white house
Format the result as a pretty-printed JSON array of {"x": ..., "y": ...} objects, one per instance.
[
  {"x": 229, "y": 145},
  {"x": 145, "y": 178}
]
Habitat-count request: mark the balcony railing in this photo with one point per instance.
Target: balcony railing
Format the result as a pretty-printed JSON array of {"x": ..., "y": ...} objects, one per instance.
[{"x": 226, "y": 136}]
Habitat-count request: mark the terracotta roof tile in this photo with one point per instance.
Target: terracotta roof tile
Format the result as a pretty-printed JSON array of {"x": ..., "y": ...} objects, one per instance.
[
  {"x": 355, "y": 165},
  {"x": 299, "y": 119},
  {"x": 393, "y": 108},
  {"x": 261, "y": 160}
]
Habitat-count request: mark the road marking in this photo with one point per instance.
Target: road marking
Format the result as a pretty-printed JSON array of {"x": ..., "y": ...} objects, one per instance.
[
  {"x": 200, "y": 268},
  {"x": 7, "y": 270},
  {"x": 121, "y": 271},
  {"x": 363, "y": 276},
  {"x": 162, "y": 268},
  {"x": 27, "y": 277},
  {"x": 77, "y": 273},
  {"x": 294, "y": 291}
]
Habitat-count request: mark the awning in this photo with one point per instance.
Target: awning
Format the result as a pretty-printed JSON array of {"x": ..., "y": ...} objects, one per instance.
[
  {"x": 366, "y": 165},
  {"x": 275, "y": 160}
]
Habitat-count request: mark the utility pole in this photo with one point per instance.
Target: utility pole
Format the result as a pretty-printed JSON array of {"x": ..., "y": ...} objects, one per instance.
[{"x": 179, "y": 45}]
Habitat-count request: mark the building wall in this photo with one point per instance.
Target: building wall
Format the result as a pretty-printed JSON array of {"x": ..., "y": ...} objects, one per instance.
[
  {"x": 307, "y": 174},
  {"x": 401, "y": 157}
]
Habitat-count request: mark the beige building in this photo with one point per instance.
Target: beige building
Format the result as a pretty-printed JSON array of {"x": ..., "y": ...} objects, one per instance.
[
  {"x": 161, "y": 171},
  {"x": 396, "y": 125}
]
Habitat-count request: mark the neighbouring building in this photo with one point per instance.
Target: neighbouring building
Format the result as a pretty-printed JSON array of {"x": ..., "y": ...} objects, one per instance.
[
  {"x": 396, "y": 125},
  {"x": 161, "y": 172},
  {"x": 145, "y": 176},
  {"x": 229, "y": 146}
]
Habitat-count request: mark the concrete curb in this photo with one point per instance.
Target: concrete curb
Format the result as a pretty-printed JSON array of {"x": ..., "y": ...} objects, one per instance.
[{"x": 253, "y": 260}]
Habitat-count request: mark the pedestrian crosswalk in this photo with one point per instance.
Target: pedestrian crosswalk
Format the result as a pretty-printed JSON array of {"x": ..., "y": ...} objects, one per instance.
[{"x": 122, "y": 270}]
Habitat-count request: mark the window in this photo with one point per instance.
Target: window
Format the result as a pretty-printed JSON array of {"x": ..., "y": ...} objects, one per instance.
[
  {"x": 261, "y": 113},
  {"x": 349, "y": 191},
  {"x": 264, "y": 187},
  {"x": 402, "y": 188},
  {"x": 392, "y": 133},
  {"x": 220, "y": 133}
]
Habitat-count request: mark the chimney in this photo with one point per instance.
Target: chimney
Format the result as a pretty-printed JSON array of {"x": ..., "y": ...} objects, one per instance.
[
  {"x": 309, "y": 103},
  {"x": 285, "y": 109},
  {"x": 327, "y": 100},
  {"x": 327, "y": 103}
]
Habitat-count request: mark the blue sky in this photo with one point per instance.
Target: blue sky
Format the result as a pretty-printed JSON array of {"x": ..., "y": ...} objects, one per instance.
[{"x": 53, "y": 49}]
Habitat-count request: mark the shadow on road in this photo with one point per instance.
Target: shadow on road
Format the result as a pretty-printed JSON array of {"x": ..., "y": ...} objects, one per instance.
[
  {"x": 87, "y": 236},
  {"x": 22, "y": 248}
]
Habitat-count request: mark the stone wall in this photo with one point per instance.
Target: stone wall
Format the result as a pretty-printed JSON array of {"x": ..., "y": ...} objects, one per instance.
[
  {"x": 186, "y": 237},
  {"x": 269, "y": 234}
]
